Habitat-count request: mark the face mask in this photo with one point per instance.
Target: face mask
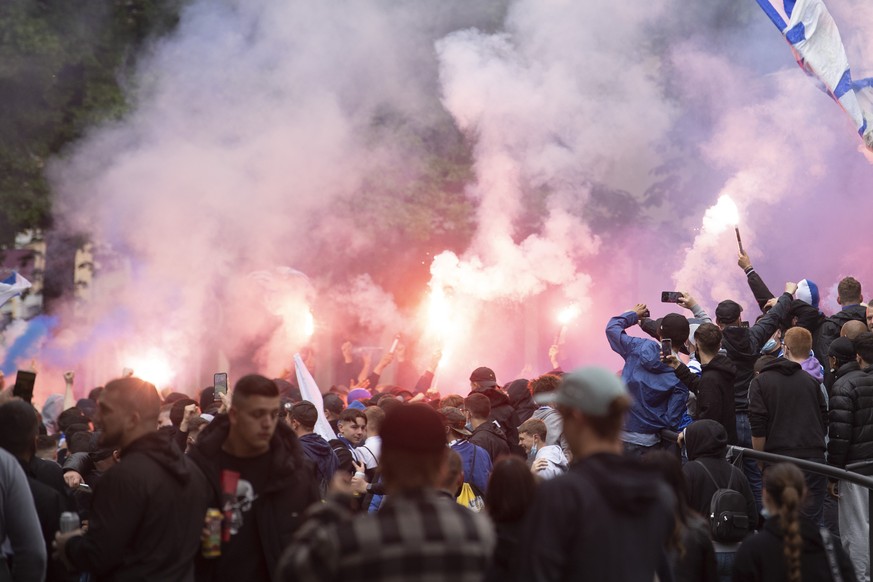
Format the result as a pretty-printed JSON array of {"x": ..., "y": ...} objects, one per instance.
[
  {"x": 469, "y": 426},
  {"x": 769, "y": 346},
  {"x": 766, "y": 513},
  {"x": 533, "y": 451}
]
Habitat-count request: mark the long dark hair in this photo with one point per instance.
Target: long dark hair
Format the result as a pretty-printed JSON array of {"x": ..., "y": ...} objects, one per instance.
[
  {"x": 511, "y": 489},
  {"x": 670, "y": 468},
  {"x": 785, "y": 485}
]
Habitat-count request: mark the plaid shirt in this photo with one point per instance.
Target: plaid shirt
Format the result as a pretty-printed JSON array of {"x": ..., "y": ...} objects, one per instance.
[{"x": 423, "y": 537}]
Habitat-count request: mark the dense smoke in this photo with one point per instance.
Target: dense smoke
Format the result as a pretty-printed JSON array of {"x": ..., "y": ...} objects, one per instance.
[{"x": 600, "y": 134}]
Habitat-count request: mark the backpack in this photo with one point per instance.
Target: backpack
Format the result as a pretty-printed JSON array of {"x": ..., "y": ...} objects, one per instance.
[
  {"x": 728, "y": 517},
  {"x": 470, "y": 496}
]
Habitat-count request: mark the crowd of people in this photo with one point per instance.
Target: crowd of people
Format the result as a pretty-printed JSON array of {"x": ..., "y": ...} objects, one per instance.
[{"x": 581, "y": 475}]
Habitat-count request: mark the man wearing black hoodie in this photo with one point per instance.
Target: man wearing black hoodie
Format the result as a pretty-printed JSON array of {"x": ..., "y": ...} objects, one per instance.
[
  {"x": 742, "y": 346},
  {"x": 609, "y": 517},
  {"x": 259, "y": 477},
  {"x": 486, "y": 434},
  {"x": 147, "y": 514},
  {"x": 706, "y": 443},
  {"x": 789, "y": 416},
  {"x": 714, "y": 387},
  {"x": 483, "y": 381}
]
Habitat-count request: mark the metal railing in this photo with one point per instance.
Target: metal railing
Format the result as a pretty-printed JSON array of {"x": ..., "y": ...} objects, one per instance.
[{"x": 848, "y": 474}]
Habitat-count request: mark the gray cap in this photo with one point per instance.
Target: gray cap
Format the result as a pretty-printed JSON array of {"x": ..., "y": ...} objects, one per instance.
[{"x": 590, "y": 390}]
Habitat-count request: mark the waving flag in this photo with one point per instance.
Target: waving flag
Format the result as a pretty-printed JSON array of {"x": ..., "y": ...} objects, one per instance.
[
  {"x": 11, "y": 286},
  {"x": 815, "y": 40},
  {"x": 309, "y": 391}
]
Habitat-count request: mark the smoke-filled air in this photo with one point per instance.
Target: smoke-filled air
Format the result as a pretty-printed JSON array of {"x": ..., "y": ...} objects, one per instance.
[{"x": 269, "y": 189}]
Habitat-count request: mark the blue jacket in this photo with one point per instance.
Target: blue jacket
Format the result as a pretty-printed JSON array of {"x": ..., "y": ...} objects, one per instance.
[
  {"x": 659, "y": 397},
  {"x": 476, "y": 473}
]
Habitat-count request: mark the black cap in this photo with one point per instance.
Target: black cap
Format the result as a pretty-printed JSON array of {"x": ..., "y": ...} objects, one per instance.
[
  {"x": 414, "y": 428},
  {"x": 728, "y": 311},
  {"x": 675, "y": 327},
  {"x": 842, "y": 349},
  {"x": 483, "y": 377}
]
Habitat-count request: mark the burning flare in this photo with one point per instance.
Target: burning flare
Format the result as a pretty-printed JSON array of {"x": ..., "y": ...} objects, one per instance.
[
  {"x": 722, "y": 216},
  {"x": 152, "y": 366}
]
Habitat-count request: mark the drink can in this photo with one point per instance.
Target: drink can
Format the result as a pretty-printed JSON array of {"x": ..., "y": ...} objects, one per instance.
[
  {"x": 69, "y": 522},
  {"x": 212, "y": 541}
]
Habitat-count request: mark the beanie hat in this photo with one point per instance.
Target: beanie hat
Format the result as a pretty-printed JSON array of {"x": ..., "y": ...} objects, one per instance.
[
  {"x": 358, "y": 394},
  {"x": 807, "y": 291}
]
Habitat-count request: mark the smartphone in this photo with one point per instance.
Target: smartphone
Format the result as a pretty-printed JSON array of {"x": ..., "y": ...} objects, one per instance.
[
  {"x": 670, "y": 296},
  {"x": 24, "y": 382},
  {"x": 666, "y": 347},
  {"x": 744, "y": 324},
  {"x": 219, "y": 382}
]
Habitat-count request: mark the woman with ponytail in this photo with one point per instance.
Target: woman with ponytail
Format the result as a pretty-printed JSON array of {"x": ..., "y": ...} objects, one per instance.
[{"x": 790, "y": 548}]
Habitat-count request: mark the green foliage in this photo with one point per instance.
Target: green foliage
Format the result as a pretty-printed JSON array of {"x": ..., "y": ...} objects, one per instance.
[{"x": 63, "y": 64}]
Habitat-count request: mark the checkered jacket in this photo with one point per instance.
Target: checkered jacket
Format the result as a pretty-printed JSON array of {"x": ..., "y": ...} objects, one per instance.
[{"x": 423, "y": 537}]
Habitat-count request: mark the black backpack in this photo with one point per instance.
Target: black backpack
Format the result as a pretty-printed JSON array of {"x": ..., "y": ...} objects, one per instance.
[{"x": 728, "y": 517}]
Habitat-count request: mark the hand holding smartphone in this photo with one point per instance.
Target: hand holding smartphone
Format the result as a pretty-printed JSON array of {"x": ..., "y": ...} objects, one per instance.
[
  {"x": 219, "y": 383},
  {"x": 670, "y": 296},
  {"x": 666, "y": 348},
  {"x": 24, "y": 382}
]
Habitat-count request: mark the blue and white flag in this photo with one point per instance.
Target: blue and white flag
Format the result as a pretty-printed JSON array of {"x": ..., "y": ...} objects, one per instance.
[
  {"x": 11, "y": 286},
  {"x": 815, "y": 39},
  {"x": 309, "y": 391}
]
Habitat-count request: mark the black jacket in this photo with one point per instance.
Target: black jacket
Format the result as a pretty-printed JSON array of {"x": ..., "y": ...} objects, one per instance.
[
  {"x": 743, "y": 345},
  {"x": 851, "y": 416},
  {"x": 51, "y": 496},
  {"x": 491, "y": 438},
  {"x": 607, "y": 519},
  {"x": 319, "y": 451},
  {"x": 830, "y": 330},
  {"x": 146, "y": 517},
  {"x": 502, "y": 411},
  {"x": 521, "y": 399},
  {"x": 786, "y": 405},
  {"x": 706, "y": 446},
  {"x": 761, "y": 558},
  {"x": 290, "y": 489},
  {"x": 715, "y": 392}
]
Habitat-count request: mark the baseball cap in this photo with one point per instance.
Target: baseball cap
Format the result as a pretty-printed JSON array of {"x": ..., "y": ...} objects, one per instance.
[
  {"x": 728, "y": 310},
  {"x": 416, "y": 428},
  {"x": 674, "y": 327},
  {"x": 842, "y": 349},
  {"x": 455, "y": 420},
  {"x": 484, "y": 377},
  {"x": 590, "y": 390}
]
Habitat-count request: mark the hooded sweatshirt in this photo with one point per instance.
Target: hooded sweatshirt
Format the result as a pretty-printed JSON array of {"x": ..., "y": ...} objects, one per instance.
[
  {"x": 319, "y": 451},
  {"x": 584, "y": 524},
  {"x": 146, "y": 517},
  {"x": 557, "y": 461},
  {"x": 715, "y": 392},
  {"x": 706, "y": 443},
  {"x": 502, "y": 411},
  {"x": 521, "y": 399},
  {"x": 787, "y": 407}
]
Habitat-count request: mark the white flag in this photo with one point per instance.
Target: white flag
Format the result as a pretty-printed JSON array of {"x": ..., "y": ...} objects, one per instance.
[
  {"x": 11, "y": 286},
  {"x": 309, "y": 391},
  {"x": 813, "y": 35}
]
